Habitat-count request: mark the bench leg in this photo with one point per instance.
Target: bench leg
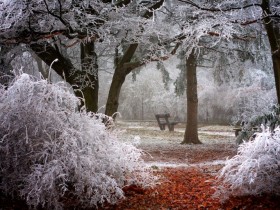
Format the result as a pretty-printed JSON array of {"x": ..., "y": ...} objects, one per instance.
[
  {"x": 171, "y": 127},
  {"x": 236, "y": 133},
  {"x": 162, "y": 127}
]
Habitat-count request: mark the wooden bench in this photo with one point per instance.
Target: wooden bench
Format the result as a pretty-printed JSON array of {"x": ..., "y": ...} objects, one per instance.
[
  {"x": 237, "y": 130},
  {"x": 163, "y": 120}
]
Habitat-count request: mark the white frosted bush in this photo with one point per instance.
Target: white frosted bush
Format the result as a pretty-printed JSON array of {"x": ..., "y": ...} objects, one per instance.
[
  {"x": 50, "y": 151},
  {"x": 256, "y": 167}
]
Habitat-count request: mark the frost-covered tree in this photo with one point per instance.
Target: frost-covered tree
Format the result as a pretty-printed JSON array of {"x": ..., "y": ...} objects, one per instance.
[
  {"x": 245, "y": 72},
  {"x": 206, "y": 24},
  {"x": 241, "y": 16},
  {"x": 197, "y": 29},
  {"x": 49, "y": 28},
  {"x": 130, "y": 56},
  {"x": 50, "y": 152}
]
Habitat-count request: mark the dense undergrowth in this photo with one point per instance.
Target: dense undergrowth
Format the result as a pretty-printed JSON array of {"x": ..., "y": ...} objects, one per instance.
[
  {"x": 255, "y": 168},
  {"x": 49, "y": 150}
]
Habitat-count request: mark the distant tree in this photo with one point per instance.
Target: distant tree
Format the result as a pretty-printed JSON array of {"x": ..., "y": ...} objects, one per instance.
[
  {"x": 243, "y": 14},
  {"x": 150, "y": 90}
]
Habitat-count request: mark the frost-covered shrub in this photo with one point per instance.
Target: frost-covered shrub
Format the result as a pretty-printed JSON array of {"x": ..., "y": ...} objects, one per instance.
[
  {"x": 270, "y": 118},
  {"x": 256, "y": 167},
  {"x": 50, "y": 151}
]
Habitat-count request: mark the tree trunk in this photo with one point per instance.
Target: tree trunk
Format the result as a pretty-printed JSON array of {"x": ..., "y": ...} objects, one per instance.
[
  {"x": 44, "y": 72},
  {"x": 5, "y": 65},
  {"x": 191, "y": 133},
  {"x": 273, "y": 33},
  {"x": 67, "y": 71},
  {"x": 90, "y": 71},
  {"x": 114, "y": 92},
  {"x": 48, "y": 54},
  {"x": 118, "y": 79}
]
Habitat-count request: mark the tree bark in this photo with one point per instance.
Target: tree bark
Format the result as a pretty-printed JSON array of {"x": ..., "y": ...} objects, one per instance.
[
  {"x": 90, "y": 70},
  {"x": 273, "y": 33},
  {"x": 67, "y": 71},
  {"x": 41, "y": 69},
  {"x": 191, "y": 133},
  {"x": 118, "y": 79},
  {"x": 114, "y": 92},
  {"x": 5, "y": 66}
]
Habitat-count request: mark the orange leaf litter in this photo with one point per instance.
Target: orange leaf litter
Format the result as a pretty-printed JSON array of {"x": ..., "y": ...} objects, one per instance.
[{"x": 187, "y": 189}]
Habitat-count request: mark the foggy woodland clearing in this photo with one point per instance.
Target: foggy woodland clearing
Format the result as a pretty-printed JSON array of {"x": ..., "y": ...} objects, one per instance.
[
  {"x": 81, "y": 84},
  {"x": 163, "y": 148}
]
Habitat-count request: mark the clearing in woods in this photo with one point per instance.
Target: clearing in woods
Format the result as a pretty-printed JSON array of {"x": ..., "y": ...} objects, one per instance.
[
  {"x": 163, "y": 148},
  {"x": 187, "y": 172}
]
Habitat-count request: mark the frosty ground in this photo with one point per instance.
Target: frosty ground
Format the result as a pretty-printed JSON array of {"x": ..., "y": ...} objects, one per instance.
[
  {"x": 163, "y": 148},
  {"x": 187, "y": 171}
]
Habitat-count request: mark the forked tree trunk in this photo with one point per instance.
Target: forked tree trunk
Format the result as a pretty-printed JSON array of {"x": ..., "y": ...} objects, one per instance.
[
  {"x": 273, "y": 33},
  {"x": 121, "y": 72},
  {"x": 118, "y": 79},
  {"x": 191, "y": 133}
]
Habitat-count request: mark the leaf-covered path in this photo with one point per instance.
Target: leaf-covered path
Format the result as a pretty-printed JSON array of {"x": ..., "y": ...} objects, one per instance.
[
  {"x": 179, "y": 189},
  {"x": 192, "y": 186},
  {"x": 188, "y": 189}
]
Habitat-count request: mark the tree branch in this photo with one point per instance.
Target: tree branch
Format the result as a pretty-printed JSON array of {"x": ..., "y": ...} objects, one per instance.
[
  {"x": 213, "y": 9},
  {"x": 149, "y": 12},
  {"x": 48, "y": 54},
  {"x": 129, "y": 66},
  {"x": 59, "y": 17}
]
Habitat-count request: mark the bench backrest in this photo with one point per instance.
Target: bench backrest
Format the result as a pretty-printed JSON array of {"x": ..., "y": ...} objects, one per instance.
[
  {"x": 162, "y": 115},
  {"x": 163, "y": 120},
  {"x": 159, "y": 118}
]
